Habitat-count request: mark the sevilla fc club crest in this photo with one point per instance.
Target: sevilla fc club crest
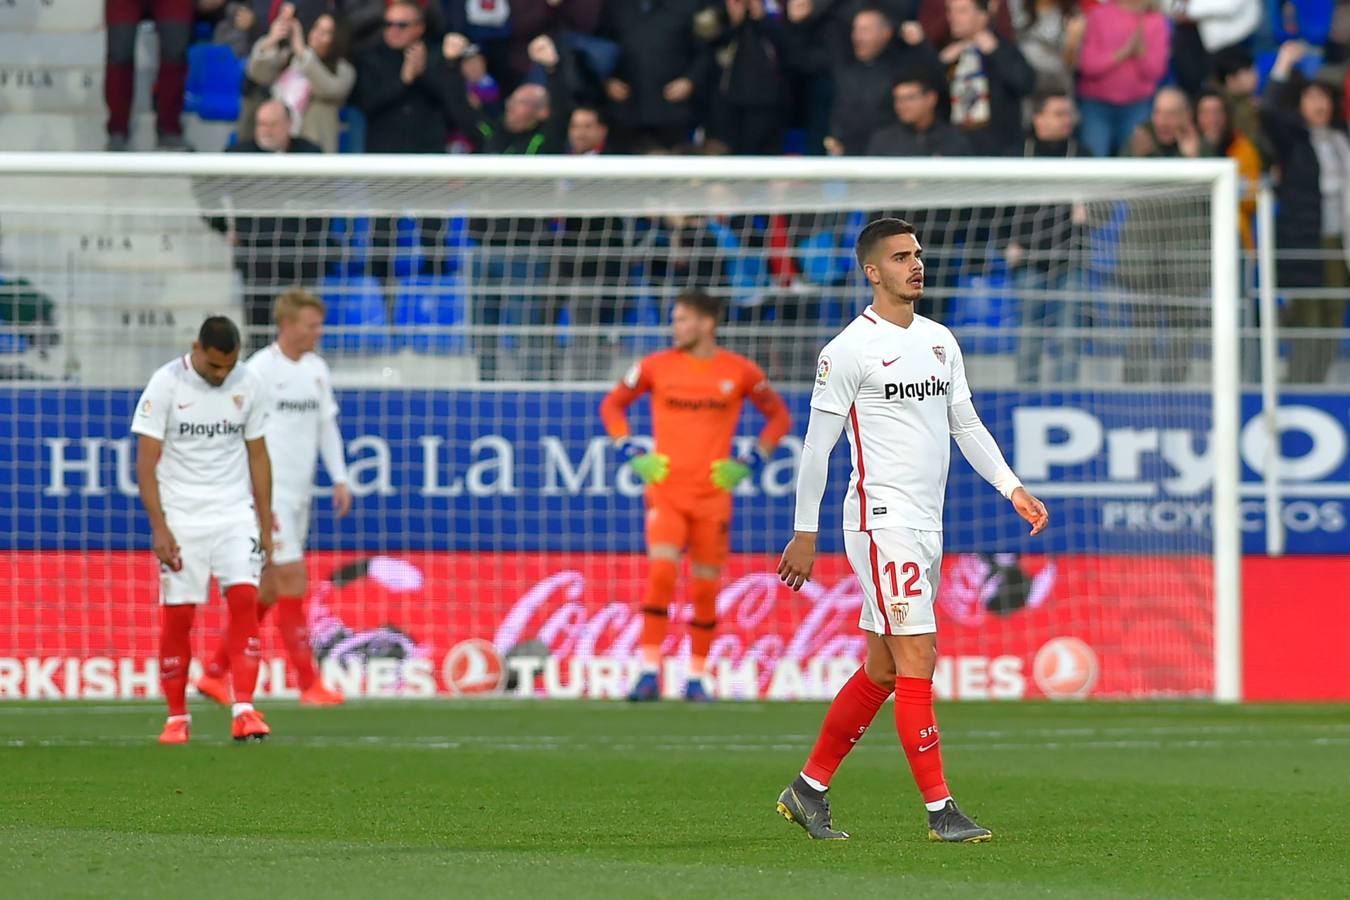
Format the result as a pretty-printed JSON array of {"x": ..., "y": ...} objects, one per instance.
[
  {"x": 238, "y": 400},
  {"x": 899, "y": 611},
  {"x": 941, "y": 354}
]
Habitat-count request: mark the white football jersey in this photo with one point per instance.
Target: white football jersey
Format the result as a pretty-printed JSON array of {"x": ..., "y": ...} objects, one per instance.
[
  {"x": 203, "y": 467},
  {"x": 302, "y": 401},
  {"x": 894, "y": 384}
]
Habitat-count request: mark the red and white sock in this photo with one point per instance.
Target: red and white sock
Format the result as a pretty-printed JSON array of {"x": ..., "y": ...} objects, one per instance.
[
  {"x": 917, "y": 726},
  {"x": 175, "y": 653},
  {"x": 853, "y": 709},
  {"x": 295, "y": 637},
  {"x": 241, "y": 637}
]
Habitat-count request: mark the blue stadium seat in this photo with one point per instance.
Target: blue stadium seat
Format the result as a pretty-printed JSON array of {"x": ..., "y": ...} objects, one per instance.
[
  {"x": 356, "y": 308},
  {"x": 352, "y": 237},
  {"x": 352, "y": 137},
  {"x": 459, "y": 246},
  {"x": 12, "y": 341},
  {"x": 431, "y": 302},
  {"x": 986, "y": 301},
  {"x": 214, "y": 80},
  {"x": 409, "y": 255}
]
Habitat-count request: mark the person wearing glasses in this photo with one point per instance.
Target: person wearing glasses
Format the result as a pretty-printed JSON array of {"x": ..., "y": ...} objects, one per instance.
[{"x": 403, "y": 86}]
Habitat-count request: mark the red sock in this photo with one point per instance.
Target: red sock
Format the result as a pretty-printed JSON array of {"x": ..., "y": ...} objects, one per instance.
[
  {"x": 853, "y": 709},
  {"x": 175, "y": 653},
  {"x": 656, "y": 606},
  {"x": 241, "y": 636},
  {"x": 219, "y": 666},
  {"x": 295, "y": 636},
  {"x": 917, "y": 726},
  {"x": 703, "y": 626}
]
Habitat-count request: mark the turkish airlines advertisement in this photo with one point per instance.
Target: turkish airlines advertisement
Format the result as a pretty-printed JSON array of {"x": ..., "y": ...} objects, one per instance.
[{"x": 564, "y": 625}]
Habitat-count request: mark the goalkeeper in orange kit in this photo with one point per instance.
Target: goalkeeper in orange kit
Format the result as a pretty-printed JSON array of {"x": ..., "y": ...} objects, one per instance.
[{"x": 697, "y": 392}]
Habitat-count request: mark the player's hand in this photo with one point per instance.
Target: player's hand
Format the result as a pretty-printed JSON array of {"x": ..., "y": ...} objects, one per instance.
[
  {"x": 166, "y": 548},
  {"x": 797, "y": 561},
  {"x": 342, "y": 500},
  {"x": 727, "y": 473},
  {"x": 652, "y": 468},
  {"x": 1031, "y": 509}
]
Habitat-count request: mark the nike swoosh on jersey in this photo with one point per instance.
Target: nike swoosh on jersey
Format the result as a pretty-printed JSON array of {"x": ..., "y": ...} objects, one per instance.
[
  {"x": 887, "y": 362},
  {"x": 184, "y": 405},
  {"x": 929, "y": 747}
]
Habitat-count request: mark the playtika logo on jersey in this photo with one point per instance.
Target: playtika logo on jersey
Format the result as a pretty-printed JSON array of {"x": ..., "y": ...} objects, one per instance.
[{"x": 918, "y": 390}]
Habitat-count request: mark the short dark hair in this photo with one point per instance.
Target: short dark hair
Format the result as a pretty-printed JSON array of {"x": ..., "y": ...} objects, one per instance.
[
  {"x": 1230, "y": 61},
  {"x": 1041, "y": 98},
  {"x": 412, "y": 5},
  {"x": 219, "y": 333},
  {"x": 926, "y": 82},
  {"x": 875, "y": 232},
  {"x": 594, "y": 110},
  {"x": 702, "y": 302}
]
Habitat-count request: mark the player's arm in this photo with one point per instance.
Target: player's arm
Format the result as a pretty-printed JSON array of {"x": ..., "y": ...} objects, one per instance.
[
  {"x": 727, "y": 473},
  {"x": 260, "y": 472},
  {"x": 333, "y": 456},
  {"x": 799, "y": 557},
  {"x": 651, "y": 467},
  {"x": 162, "y": 541}
]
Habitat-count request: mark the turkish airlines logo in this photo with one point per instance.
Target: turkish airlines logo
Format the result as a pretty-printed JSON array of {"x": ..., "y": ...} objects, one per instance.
[
  {"x": 1065, "y": 667},
  {"x": 472, "y": 667}
]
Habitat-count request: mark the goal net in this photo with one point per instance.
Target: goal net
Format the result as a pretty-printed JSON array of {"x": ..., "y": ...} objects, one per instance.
[{"x": 477, "y": 310}]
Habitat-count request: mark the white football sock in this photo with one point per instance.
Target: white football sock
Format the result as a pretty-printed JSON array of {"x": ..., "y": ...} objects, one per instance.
[
  {"x": 815, "y": 784},
  {"x": 183, "y": 718},
  {"x": 238, "y": 708},
  {"x": 937, "y": 805}
]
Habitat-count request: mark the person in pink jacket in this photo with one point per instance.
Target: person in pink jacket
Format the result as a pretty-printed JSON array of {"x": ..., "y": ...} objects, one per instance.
[{"x": 1122, "y": 58}]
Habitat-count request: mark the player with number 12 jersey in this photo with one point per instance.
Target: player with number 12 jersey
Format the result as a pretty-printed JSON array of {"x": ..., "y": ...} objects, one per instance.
[{"x": 895, "y": 382}]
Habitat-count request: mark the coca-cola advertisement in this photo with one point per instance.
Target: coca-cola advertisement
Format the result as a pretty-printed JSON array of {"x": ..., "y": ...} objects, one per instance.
[{"x": 84, "y": 625}]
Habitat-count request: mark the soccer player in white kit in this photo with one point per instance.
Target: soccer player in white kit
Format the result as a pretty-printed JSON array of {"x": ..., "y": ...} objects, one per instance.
[
  {"x": 896, "y": 383},
  {"x": 301, "y": 427},
  {"x": 206, "y": 484}
]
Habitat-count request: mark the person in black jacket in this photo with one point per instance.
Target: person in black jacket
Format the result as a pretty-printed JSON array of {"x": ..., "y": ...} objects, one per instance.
[
  {"x": 863, "y": 80},
  {"x": 535, "y": 119},
  {"x": 272, "y": 252},
  {"x": 988, "y": 77},
  {"x": 1045, "y": 248},
  {"x": 403, "y": 87},
  {"x": 919, "y": 131},
  {"x": 661, "y": 63},
  {"x": 748, "y": 99}
]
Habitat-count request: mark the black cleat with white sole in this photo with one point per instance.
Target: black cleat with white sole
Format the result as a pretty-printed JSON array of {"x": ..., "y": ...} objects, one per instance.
[
  {"x": 951, "y": 825},
  {"x": 809, "y": 808}
]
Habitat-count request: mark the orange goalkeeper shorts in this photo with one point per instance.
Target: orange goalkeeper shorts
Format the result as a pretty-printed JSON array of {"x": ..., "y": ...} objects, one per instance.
[{"x": 704, "y": 529}]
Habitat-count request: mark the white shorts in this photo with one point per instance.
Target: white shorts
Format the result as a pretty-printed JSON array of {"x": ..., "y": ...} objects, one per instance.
[
  {"x": 899, "y": 569},
  {"x": 227, "y": 548},
  {"x": 290, "y": 528}
]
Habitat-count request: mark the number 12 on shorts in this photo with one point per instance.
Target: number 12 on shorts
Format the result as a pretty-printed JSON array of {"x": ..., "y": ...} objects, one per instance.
[{"x": 910, "y": 571}]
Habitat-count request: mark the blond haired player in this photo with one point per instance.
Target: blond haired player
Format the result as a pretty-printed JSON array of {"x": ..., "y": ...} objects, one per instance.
[
  {"x": 896, "y": 382},
  {"x": 301, "y": 427}
]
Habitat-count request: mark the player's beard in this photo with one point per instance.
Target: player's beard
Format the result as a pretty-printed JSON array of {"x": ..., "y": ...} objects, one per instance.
[{"x": 903, "y": 291}]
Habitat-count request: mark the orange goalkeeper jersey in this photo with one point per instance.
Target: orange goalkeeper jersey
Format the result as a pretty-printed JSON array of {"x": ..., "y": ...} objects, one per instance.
[{"x": 695, "y": 406}]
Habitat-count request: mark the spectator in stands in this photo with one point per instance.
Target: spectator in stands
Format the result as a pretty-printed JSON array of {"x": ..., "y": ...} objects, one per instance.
[
  {"x": 806, "y": 66},
  {"x": 1170, "y": 130},
  {"x": 1204, "y": 28},
  {"x": 1044, "y": 252},
  {"x": 919, "y": 131},
  {"x": 1049, "y": 33},
  {"x": 587, "y": 132},
  {"x": 1235, "y": 73},
  {"x": 173, "y": 21},
  {"x": 485, "y": 93},
  {"x": 247, "y": 21},
  {"x": 365, "y": 20},
  {"x": 866, "y": 75},
  {"x": 272, "y": 252},
  {"x": 660, "y": 65},
  {"x": 988, "y": 78},
  {"x": 308, "y": 74},
  {"x": 748, "y": 100},
  {"x": 1215, "y": 124},
  {"x": 1122, "y": 59},
  {"x": 556, "y": 18},
  {"x": 527, "y": 127},
  {"x": 403, "y": 87},
  {"x": 1312, "y": 157},
  {"x": 932, "y": 18}
]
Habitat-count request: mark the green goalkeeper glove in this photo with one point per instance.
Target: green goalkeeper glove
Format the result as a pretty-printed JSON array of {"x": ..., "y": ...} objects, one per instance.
[
  {"x": 652, "y": 468},
  {"x": 727, "y": 473}
]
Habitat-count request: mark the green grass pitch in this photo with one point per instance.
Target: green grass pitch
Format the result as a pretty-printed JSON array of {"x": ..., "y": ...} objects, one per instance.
[{"x": 541, "y": 800}]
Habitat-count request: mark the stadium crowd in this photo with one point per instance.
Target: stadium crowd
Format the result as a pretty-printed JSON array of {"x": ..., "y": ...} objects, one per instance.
[{"x": 1050, "y": 78}]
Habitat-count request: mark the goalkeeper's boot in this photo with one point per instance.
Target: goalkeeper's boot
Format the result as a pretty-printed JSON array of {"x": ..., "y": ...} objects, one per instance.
[
  {"x": 218, "y": 689},
  {"x": 318, "y": 695},
  {"x": 176, "y": 730},
  {"x": 695, "y": 692},
  {"x": 951, "y": 825},
  {"x": 809, "y": 808},
  {"x": 249, "y": 726},
  {"x": 646, "y": 690}
]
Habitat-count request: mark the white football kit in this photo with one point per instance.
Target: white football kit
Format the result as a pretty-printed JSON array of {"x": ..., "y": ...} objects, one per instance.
[
  {"x": 204, "y": 481},
  {"x": 901, "y": 395},
  {"x": 301, "y": 426}
]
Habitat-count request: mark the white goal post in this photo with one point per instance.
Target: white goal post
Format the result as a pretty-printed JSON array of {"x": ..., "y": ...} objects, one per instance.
[{"x": 39, "y": 188}]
